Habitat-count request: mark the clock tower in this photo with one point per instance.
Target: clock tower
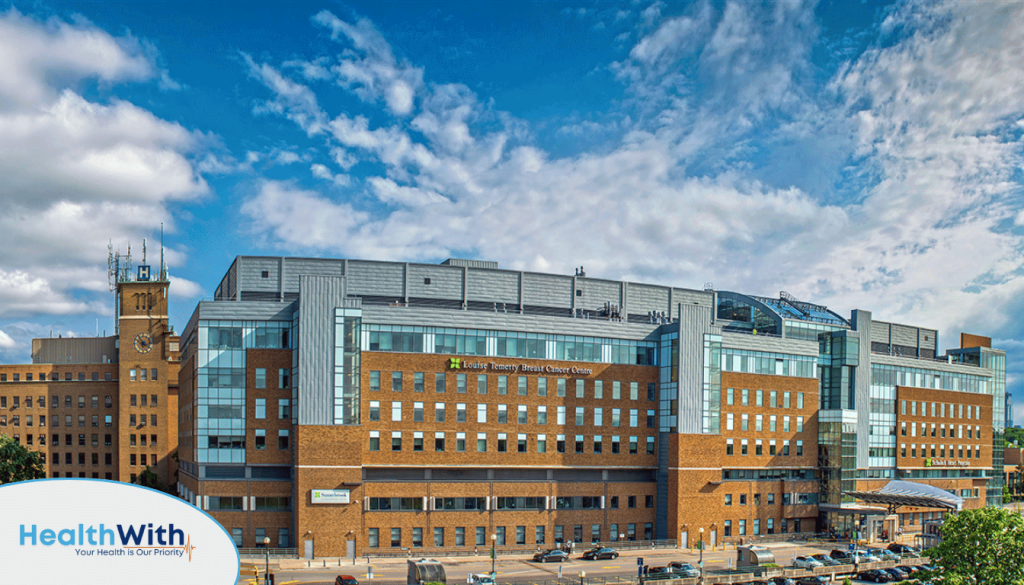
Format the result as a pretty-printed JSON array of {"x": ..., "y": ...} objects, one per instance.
[{"x": 148, "y": 373}]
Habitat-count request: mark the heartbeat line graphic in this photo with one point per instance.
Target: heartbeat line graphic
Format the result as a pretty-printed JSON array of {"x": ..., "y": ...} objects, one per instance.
[{"x": 188, "y": 548}]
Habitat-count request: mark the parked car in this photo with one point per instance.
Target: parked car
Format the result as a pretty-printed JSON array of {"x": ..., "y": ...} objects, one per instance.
[
  {"x": 807, "y": 562},
  {"x": 875, "y": 575},
  {"x": 600, "y": 553},
  {"x": 897, "y": 574},
  {"x": 902, "y": 549},
  {"x": 841, "y": 555},
  {"x": 345, "y": 580},
  {"x": 883, "y": 554},
  {"x": 684, "y": 569},
  {"x": 553, "y": 555},
  {"x": 479, "y": 579},
  {"x": 825, "y": 560},
  {"x": 781, "y": 581},
  {"x": 812, "y": 580},
  {"x": 909, "y": 569},
  {"x": 927, "y": 567},
  {"x": 863, "y": 556}
]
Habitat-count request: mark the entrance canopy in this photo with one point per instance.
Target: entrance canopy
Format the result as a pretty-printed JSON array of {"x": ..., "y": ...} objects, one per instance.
[{"x": 909, "y": 493}]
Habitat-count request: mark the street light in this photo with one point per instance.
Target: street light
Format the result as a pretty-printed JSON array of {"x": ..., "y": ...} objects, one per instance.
[
  {"x": 583, "y": 575},
  {"x": 266, "y": 546},
  {"x": 701, "y": 555},
  {"x": 494, "y": 540}
]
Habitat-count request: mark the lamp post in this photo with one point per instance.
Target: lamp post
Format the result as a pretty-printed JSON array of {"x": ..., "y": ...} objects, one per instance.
[
  {"x": 701, "y": 531},
  {"x": 494, "y": 540},
  {"x": 266, "y": 547}
]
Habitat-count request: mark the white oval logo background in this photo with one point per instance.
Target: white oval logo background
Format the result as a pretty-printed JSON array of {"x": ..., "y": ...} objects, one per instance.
[{"x": 62, "y": 511}]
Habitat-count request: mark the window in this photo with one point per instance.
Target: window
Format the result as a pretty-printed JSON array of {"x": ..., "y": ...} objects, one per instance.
[
  {"x": 396, "y": 440},
  {"x": 417, "y": 412},
  {"x": 374, "y": 410},
  {"x": 631, "y": 501},
  {"x": 542, "y": 415},
  {"x": 460, "y": 442},
  {"x": 759, "y": 398},
  {"x": 417, "y": 382},
  {"x": 261, "y": 439},
  {"x": 374, "y": 440},
  {"x": 438, "y": 536},
  {"x": 396, "y": 538},
  {"x": 396, "y": 381},
  {"x": 261, "y": 408},
  {"x": 560, "y": 443},
  {"x": 648, "y": 501},
  {"x": 580, "y": 414},
  {"x": 651, "y": 392},
  {"x": 440, "y": 381},
  {"x": 560, "y": 387},
  {"x": 261, "y": 377},
  {"x": 522, "y": 385},
  {"x": 481, "y": 535},
  {"x": 521, "y": 414},
  {"x": 579, "y": 444},
  {"x": 374, "y": 382},
  {"x": 481, "y": 384},
  {"x": 745, "y": 397},
  {"x": 727, "y": 528},
  {"x": 439, "y": 442},
  {"x": 598, "y": 444},
  {"x": 538, "y": 535},
  {"x": 460, "y": 383},
  {"x": 396, "y": 411},
  {"x": 634, "y": 419},
  {"x": 542, "y": 443},
  {"x": 502, "y": 414},
  {"x": 580, "y": 389},
  {"x": 502, "y": 385},
  {"x": 633, "y": 442},
  {"x": 729, "y": 396},
  {"x": 481, "y": 413},
  {"x": 728, "y": 447},
  {"x": 650, "y": 445},
  {"x": 460, "y": 412},
  {"x": 460, "y": 536},
  {"x": 417, "y": 440},
  {"x": 282, "y": 440},
  {"x": 560, "y": 415},
  {"x": 651, "y": 420},
  {"x": 284, "y": 409},
  {"x": 439, "y": 412},
  {"x": 481, "y": 442}
]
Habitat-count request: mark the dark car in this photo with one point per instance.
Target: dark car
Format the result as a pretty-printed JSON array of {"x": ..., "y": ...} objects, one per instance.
[
  {"x": 875, "y": 575},
  {"x": 781, "y": 581},
  {"x": 897, "y": 574},
  {"x": 684, "y": 569},
  {"x": 909, "y": 569},
  {"x": 825, "y": 560},
  {"x": 812, "y": 580},
  {"x": 553, "y": 555},
  {"x": 600, "y": 553},
  {"x": 841, "y": 555},
  {"x": 902, "y": 549},
  {"x": 345, "y": 580}
]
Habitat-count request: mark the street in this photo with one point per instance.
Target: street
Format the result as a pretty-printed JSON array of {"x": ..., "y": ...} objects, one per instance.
[{"x": 520, "y": 570}]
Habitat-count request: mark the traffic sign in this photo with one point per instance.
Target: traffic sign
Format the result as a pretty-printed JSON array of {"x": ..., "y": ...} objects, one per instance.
[{"x": 639, "y": 561}]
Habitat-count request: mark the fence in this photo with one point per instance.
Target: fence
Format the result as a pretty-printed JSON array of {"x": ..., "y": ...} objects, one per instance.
[
  {"x": 463, "y": 551},
  {"x": 570, "y": 581},
  {"x": 275, "y": 553}
]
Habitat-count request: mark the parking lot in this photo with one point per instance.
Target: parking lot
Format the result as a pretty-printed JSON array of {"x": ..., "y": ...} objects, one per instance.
[{"x": 719, "y": 567}]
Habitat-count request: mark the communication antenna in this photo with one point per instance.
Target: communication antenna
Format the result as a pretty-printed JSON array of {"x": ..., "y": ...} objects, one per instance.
[
  {"x": 163, "y": 268},
  {"x": 143, "y": 250},
  {"x": 113, "y": 268}
]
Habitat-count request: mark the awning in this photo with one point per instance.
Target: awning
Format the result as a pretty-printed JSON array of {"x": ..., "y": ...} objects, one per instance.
[{"x": 899, "y": 493}]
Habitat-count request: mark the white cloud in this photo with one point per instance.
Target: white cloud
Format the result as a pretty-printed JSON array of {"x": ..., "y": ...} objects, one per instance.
[
  {"x": 322, "y": 172},
  {"x": 377, "y": 74},
  {"x": 76, "y": 173},
  {"x": 38, "y": 60},
  {"x": 6, "y": 342}
]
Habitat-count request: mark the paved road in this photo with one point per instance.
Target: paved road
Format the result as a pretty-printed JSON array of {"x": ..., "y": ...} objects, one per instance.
[{"x": 520, "y": 570}]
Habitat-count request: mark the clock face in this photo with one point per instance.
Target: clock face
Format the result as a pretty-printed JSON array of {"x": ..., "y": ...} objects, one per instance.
[{"x": 143, "y": 343}]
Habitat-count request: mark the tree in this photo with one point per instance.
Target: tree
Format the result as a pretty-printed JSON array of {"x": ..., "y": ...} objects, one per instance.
[
  {"x": 150, "y": 479},
  {"x": 18, "y": 463},
  {"x": 1013, "y": 435},
  {"x": 981, "y": 547}
]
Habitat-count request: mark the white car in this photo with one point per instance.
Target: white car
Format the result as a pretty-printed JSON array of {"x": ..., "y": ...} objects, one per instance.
[
  {"x": 479, "y": 579},
  {"x": 864, "y": 557},
  {"x": 807, "y": 563}
]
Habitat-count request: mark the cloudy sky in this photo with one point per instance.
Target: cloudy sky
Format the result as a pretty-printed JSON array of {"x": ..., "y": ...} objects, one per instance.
[{"x": 857, "y": 155}]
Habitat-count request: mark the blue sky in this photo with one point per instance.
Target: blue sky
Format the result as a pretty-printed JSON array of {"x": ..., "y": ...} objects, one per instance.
[{"x": 860, "y": 155}]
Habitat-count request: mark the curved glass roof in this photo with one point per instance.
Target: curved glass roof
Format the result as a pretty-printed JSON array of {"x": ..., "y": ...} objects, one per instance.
[
  {"x": 898, "y": 493},
  {"x": 788, "y": 307}
]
